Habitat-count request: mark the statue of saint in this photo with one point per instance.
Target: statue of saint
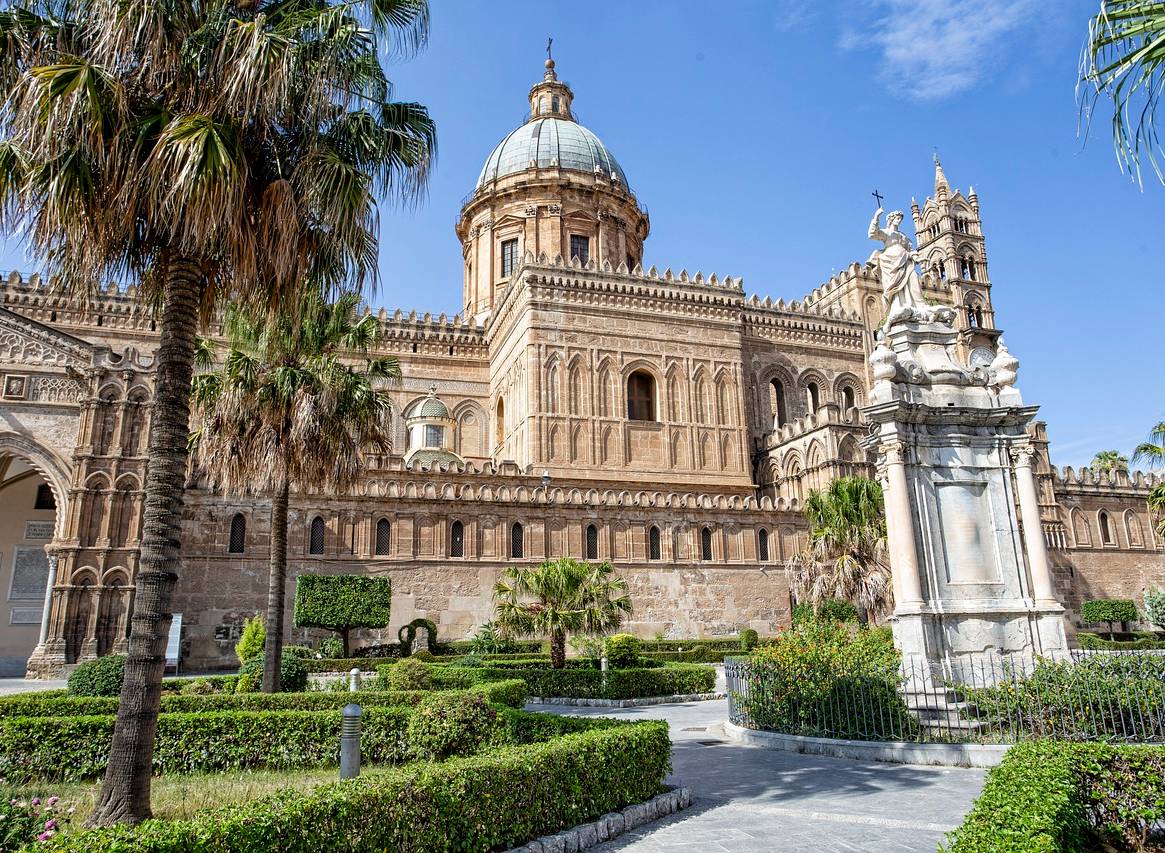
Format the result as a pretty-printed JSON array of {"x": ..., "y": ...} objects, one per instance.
[{"x": 901, "y": 287}]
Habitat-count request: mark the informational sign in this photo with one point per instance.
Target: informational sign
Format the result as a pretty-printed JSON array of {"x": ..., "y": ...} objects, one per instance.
[
  {"x": 174, "y": 642},
  {"x": 38, "y": 529}
]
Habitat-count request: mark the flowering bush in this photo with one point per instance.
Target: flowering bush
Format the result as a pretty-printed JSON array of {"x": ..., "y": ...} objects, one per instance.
[
  {"x": 26, "y": 821},
  {"x": 821, "y": 679}
]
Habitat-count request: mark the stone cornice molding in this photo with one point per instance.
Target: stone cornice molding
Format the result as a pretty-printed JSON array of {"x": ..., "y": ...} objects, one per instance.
[{"x": 42, "y": 346}]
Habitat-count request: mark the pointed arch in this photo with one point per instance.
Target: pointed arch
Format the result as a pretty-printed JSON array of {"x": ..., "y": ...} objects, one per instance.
[
  {"x": 675, "y": 403},
  {"x": 724, "y": 398},
  {"x": 707, "y": 457},
  {"x": 700, "y": 398},
  {"x": 1133, "y": 530},
  {"x": 553, "y": 385},
  {"x": 556, "y": 444},
  {"x": 606, "y": 389},
  {"x": 1081, "y": 530}
]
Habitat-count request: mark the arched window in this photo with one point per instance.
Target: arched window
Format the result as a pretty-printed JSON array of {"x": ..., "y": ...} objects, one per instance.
[
  {"x": 500, "y": 426},
  {"x": 1106, "y": 533},
  {"x": 237, "y": 543},
  {"x": 457, "y": 539},
  {"x": 813, "y": 397},
  {"x": 706, "y": 543},
  {"x": 592, "y": 543},
  {"x": 762, "y": 545},
  {"x": 315, "y": 543},
  {"x": 653, "y": 545},
  {"x": 517, "y": 541},
  {"x": 641, "y": 396},
  {"x": 848, "y": 400},
  {"x": 383, "y": 537},
  {"x": 777, "y": 404}
]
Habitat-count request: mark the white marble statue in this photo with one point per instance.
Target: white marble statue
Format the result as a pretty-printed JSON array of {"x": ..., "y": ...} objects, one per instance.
[{"x": 896, "y": 262}]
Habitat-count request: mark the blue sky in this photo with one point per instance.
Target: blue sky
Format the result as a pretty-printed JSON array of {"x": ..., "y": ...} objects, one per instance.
[{"x": 755, "y": 131}]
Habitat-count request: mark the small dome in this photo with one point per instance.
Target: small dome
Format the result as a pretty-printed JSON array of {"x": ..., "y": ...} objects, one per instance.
[
  {"x": 430, "y": 407},
  {"x": 548, "y": 143}
]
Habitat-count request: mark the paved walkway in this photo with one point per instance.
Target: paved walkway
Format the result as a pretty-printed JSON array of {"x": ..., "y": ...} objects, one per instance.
[{"x": 749, "y": 799}]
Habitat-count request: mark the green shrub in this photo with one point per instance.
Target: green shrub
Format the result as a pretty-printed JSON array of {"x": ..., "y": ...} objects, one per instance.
[
  {"x": 423, "y": 655},
  {"x": 830, "y": 610},
  {"x": 488, "y": 640},
  {"x": 331, "y": 647},
  {"x": 820, "y": 680},
  {"x": 410, "y": 674},
  {"x": 1052, "y": 797},
  {"x": 1155, "y": 606},
  {"x": 199, "y": 687},
  {"x": 376, "y": 650},
  {"x": 622, "y": 650},
  {"x": 101, "y": 677},
  {"x": 407, "y": 634},
  {"x": 292, "y": 673},
  {"x": 246, "y": 683},
  {"x": 253, "y": 639},
  {"x": 748, "y": 639},
  {"x": 492, "y": 801},
  {"x": 451, "y": 724},
  {"x": 1101, "y": 697},
  {"x": 341, "y": 603}
]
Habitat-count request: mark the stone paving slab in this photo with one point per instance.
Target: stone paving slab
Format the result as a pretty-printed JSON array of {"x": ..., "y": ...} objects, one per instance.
[{"x": 753, "y": 799}]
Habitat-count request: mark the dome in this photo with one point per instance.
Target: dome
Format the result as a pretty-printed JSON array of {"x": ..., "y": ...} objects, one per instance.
[
  {"x": 548, "y": 143},
  {"x": 430, "y": 407}
]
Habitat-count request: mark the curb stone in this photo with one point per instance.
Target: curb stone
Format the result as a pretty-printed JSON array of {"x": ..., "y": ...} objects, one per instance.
[
  {"x": 625, "y": 703},
  {"x": 610, "y": 825}
]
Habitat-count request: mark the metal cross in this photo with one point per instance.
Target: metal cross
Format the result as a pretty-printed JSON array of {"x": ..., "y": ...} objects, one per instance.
[
  {"x": 549, "y": 42},
  {"x": 877, "y": 197}
]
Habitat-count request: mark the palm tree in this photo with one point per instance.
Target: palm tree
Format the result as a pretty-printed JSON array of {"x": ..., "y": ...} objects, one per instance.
[
  {"x": 1152, "y": 450},
  {"x": 204, "y": 151},
  {"x": 1107, "y": 461},
  {"x": 1124, "y": 60},
  {"x": 846, "y": 554},
  {"x": 560, "y": 597},
  {"x": 1152, "y": 453},
  {"x": 284, "y": 414}
]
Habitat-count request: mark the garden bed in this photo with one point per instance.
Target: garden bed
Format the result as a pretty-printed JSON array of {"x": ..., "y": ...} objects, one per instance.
[{"x": 553, "y": 774}]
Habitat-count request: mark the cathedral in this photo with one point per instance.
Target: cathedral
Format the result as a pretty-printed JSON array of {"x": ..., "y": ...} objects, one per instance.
[{"x": 580, "y": 404}]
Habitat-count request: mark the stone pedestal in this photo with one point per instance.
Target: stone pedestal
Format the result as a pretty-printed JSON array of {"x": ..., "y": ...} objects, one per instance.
[{"x": 967, "y": 553}]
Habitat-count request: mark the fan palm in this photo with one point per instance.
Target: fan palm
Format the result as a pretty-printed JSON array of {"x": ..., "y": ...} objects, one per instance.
[
  {"x": 284, "y": 414},
  {"x": 204, "y": 150},
  {"x": 1107, "y": 461},
  {"x": 1152, "y": 453},
  {"x": 1124, "y": 59},
  {"x": 560, "y": 597},
  {"x": 846, "y": 554}
]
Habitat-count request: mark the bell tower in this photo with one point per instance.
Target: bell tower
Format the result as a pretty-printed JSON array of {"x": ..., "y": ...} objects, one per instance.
[{"x": 950, "y": 242}]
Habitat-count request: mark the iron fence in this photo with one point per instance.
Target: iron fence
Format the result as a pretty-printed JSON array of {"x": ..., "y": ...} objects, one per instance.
[{"x": 1089, "y": 696}]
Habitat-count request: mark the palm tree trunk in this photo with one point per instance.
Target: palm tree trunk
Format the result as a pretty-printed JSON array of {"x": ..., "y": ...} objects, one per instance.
[
  {"x": 557, "y": 649},
  {"x": 276, "y": 586},
  {"x": 125, "y": 791}
]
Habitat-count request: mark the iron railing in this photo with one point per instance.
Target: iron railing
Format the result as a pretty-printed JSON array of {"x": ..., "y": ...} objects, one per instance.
[{"x": 1088, "y": 696}]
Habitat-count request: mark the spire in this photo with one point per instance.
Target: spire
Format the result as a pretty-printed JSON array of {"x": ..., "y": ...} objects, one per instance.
[
  {"x": 549, "y": 97},
  {"x": 942, "y": 189}
]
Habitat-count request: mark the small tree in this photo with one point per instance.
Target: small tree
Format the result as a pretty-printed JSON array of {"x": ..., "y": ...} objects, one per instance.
[
  {"x": 1155, "y": 606},
  {"x": 1109, "y": 610},
  {"x": 253, "y": 639},
  {"x": 560, "y": 597},
  {"x": 342, "y": 602}
]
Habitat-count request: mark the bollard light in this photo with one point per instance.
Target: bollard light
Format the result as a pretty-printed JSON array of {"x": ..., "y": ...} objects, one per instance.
[
  {"x": 354, "y": 680},
  {"x": 350, "y": 742}
]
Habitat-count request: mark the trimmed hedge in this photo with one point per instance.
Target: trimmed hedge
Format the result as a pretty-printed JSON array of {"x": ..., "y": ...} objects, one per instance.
[
  {"x": 668, "y": 680},
  {"x": 511, "y": 692},
  {"x": 76, "y": 748},
  {"x": 1095, "y": 642},
  {"x": 342, "y": 602},
  {"x": 101, "y": 677},
  {"x": 1109, "y": 610},
  {"x": 1054, "y": 797},
  {"x": 492, "y": 801}
]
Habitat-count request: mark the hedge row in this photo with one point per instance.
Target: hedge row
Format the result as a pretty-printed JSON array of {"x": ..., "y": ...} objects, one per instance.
[
  {"x": 668, "y": 680},
  {"x": 511, "y": 692},
  {"x": 1096, "y": 643},
  {"x": 490, "y": 801},
  {"x": 1055, "y": 797}
]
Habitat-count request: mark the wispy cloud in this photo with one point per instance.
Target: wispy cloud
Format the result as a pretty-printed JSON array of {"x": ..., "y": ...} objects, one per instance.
[{"x": 932, "y": 49}]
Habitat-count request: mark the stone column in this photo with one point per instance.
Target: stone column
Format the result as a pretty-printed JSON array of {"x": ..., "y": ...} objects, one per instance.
[
  {"x": 900, "y": 531},
  {"x": 48, "y": 604},
  {"x": 1043, "y": 589}
]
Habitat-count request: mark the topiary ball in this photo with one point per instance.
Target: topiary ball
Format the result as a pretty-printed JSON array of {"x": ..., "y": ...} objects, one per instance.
[
  {"x": 410, "y": 674},
  {"x": 445, "y": 725},
  {"x": 622, "y": 650},
  {"x": 101, "y": 677},
  {"x": 749, "y": 639}
]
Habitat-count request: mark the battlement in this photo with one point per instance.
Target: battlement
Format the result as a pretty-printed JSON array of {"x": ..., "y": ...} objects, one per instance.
[
  {"x": 829, "y": 415},
  {"x": 1138, "y": 480},
  {"x": 429, "y": 331},
  {"x": 47, "y": 301}
]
